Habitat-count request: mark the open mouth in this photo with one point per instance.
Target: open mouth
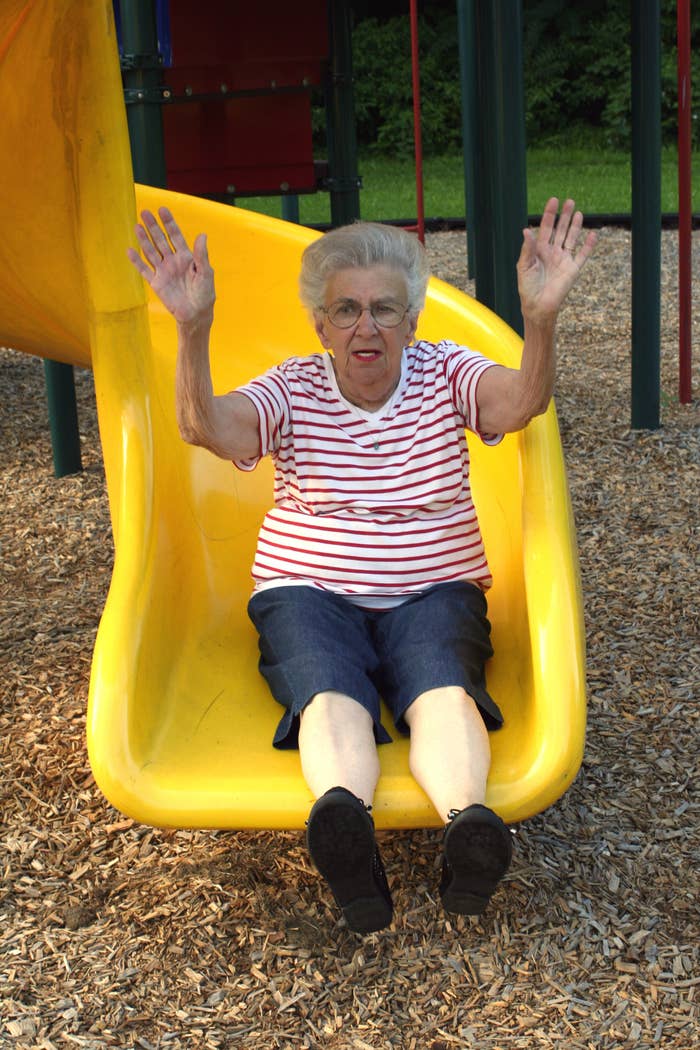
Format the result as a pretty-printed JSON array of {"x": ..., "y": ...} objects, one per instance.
[{"x": 367, "y": 355}]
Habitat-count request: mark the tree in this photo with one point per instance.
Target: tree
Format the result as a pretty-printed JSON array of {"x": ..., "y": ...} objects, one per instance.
[{"x": 576, "y": 65}]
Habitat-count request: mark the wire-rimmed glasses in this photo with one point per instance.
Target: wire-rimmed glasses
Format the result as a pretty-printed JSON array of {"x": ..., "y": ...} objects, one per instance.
[{"x": 344, "y": 313}]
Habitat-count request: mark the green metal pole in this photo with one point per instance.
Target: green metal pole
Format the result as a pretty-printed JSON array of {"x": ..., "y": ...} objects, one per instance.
[
  {"x": 646, "y": 214},
  {"x": 467, "y": 70},
  {"x": 500, "y": 190},
  {"x": 63, "y": 418},
  {"x": 343, "y": 180},
  {"x": 143, "y": 91},
  {"x": 290, "y": 207}
]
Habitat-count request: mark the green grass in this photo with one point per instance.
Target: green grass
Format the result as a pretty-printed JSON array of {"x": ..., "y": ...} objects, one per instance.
[{"x": 598, "y": 179}]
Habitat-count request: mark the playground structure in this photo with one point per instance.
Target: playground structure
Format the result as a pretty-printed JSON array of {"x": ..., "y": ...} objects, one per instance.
[
  {"x": 232, "y": 117},
  {"x": 179, "y": 721}
]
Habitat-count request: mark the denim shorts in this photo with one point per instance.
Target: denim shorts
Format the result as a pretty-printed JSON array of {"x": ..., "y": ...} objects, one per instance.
[{"x": 313, "y": 640}]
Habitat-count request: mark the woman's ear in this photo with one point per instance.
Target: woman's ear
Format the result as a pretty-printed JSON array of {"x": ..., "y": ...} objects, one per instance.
[{"x": 320, "y": 327}]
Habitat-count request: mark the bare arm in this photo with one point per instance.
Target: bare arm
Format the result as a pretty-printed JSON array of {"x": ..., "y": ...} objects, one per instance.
[
  {"x": 549, "y": 265},
  {"x": 184, "y": 282},
  {"x": 226, "y": 425}
]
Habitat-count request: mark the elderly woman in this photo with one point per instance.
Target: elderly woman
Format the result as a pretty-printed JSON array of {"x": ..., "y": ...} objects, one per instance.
[{"x": 370, "y": 573}]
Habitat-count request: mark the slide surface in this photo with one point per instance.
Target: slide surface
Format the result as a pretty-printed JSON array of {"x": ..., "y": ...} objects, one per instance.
[{"x": 179, "y": 722}]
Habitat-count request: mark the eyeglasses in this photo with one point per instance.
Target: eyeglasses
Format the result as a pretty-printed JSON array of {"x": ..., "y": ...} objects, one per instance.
[{"x": 344, "y": 313}]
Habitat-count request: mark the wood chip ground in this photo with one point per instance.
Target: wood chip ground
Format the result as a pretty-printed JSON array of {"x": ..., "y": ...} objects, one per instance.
[{"x": 118, "y": 935}]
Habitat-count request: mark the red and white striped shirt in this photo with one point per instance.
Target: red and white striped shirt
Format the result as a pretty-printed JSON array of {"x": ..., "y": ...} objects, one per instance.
[{"x": 373, "y": 506}]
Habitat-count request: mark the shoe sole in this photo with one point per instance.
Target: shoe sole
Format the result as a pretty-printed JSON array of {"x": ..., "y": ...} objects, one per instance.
[
  {"x": 478, "y": 853},
  {"x": 342, "y": 846}
]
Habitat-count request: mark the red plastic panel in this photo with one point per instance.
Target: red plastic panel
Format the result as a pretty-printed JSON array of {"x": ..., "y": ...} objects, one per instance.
[
  {"x": 252, "y": 143},
  {"x": 240, "y": 146}
]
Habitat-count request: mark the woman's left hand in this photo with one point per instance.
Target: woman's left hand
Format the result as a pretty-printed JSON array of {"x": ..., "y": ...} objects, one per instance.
[{"x": 551, "y": 260}]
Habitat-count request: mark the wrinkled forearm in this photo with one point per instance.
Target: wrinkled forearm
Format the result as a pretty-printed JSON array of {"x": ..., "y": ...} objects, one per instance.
[
  {"x": 508, "y": 398},
  {"x": 194, "y": 394},
  {"x": 538, "y": 367},
  {"x": 226, "y": 425}
]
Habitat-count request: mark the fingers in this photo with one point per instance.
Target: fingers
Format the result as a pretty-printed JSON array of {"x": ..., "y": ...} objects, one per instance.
[
  {"x": 587, "y": 247},
  {"x": 560, "y": 230},
  {"x": 569, "y": 227},
  {"x": 571, "y": 223},
  {"x": 199, "y": 251},
  {"x": 151, "y": 233},
  {"x": 528, "y": 252},
  {"x": 136, "y": 260},
  {"x": 548, "y": 221},
  {"x": 150, "y": 252},
  {"x": 173, "y": 230},
  {"x": 564, "y": 231},
  {"x": 160, "y": 243},
  {"x": 156, "y": 234}
]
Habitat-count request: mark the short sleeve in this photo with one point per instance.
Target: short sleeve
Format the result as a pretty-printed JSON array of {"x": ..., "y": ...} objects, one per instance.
[
  {"x": 270, "y": 396},
  {"x": 463, "y": 370}
]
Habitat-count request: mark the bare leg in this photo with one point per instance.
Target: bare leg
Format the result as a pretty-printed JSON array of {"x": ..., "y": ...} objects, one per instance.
[
  {"x": 337, "y": 746},
  {"x": 450, "y": 753},
  {"x": 336, "y": 743}
]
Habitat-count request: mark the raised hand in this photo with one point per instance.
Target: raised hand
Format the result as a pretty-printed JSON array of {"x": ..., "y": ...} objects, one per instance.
[
  {"x": 182, "y": 279},
  {"x": 551, "y": 260}
]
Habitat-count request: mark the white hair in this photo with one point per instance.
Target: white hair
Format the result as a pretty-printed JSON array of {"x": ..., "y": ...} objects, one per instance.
[{"x": 363, "y": 244}]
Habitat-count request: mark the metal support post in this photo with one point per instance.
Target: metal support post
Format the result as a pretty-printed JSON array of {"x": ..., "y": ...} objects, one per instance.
[
  {"x": 685, "y": 206},
  {"x": 343, "y": 181},
  {"x": 646, "y": 213},
  {"x": 467, "y": 67},
  {"x": 143, "y": 90},
  {"x": 290, "y": 207},
  {"x": 63, "y": 418},
  {"x": 417, "y": 131},
  {"x": 500, "y": 188}
]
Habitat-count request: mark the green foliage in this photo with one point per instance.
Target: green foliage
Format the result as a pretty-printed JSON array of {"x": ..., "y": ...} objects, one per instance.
[
  {"x": 384, "y": 89},
  {"x": 576, "y": 67}
]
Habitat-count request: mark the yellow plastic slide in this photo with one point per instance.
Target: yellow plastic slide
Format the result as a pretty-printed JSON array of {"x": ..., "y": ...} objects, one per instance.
[{"x": 179, "y": 721}]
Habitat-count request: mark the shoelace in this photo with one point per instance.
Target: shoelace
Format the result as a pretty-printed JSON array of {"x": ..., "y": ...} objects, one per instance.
[{"x": 369, "y": 810}]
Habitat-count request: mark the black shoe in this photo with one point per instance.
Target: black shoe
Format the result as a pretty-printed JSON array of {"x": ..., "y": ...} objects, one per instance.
[
  {"x": 477, "y": 852},
  {"x": 340, "y": 837}
]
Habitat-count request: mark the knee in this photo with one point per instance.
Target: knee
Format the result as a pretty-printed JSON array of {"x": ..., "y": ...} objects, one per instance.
[
  {"x": 335, "y": 710},
  {"x": 447, "y": 711},
  {"x": 445, "y": 702}
]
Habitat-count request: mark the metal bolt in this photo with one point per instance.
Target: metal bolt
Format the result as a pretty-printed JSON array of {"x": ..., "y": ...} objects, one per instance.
[
  {"x": 188, "y": 90},
  {"x": 284, "y": 186},
  {"x": 224, "y": 89},
  {"x": 166, "y": 93},
  {"x": 231, "y": 190}
]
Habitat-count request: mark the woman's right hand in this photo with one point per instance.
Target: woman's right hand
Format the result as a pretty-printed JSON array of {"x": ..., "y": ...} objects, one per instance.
[{"x": 182, "y": 279}]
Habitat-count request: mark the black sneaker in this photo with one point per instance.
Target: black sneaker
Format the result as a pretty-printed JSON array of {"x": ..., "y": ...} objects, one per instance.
[
  {"x": 477, "y": 852},
  {"x": 340, "y": 837}
]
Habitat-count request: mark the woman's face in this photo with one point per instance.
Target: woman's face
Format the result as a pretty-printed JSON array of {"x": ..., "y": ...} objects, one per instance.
[{"x": 367, "y": 357}]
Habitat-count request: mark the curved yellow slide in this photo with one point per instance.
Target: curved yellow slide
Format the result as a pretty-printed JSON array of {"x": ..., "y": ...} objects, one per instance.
[{"x": 180, "y": 722}]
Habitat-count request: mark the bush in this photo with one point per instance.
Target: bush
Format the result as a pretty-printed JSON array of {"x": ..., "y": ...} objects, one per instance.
[
  {"x": 384, "y": 89},
  {"x": 576, "y": 66}
]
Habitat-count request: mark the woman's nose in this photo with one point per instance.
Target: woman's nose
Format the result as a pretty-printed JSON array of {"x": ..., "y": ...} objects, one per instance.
[{"x": 365, "y": 322}]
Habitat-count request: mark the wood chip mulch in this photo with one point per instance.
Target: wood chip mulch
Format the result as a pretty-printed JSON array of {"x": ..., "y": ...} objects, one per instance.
[{"x": 118, "y": 935}]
